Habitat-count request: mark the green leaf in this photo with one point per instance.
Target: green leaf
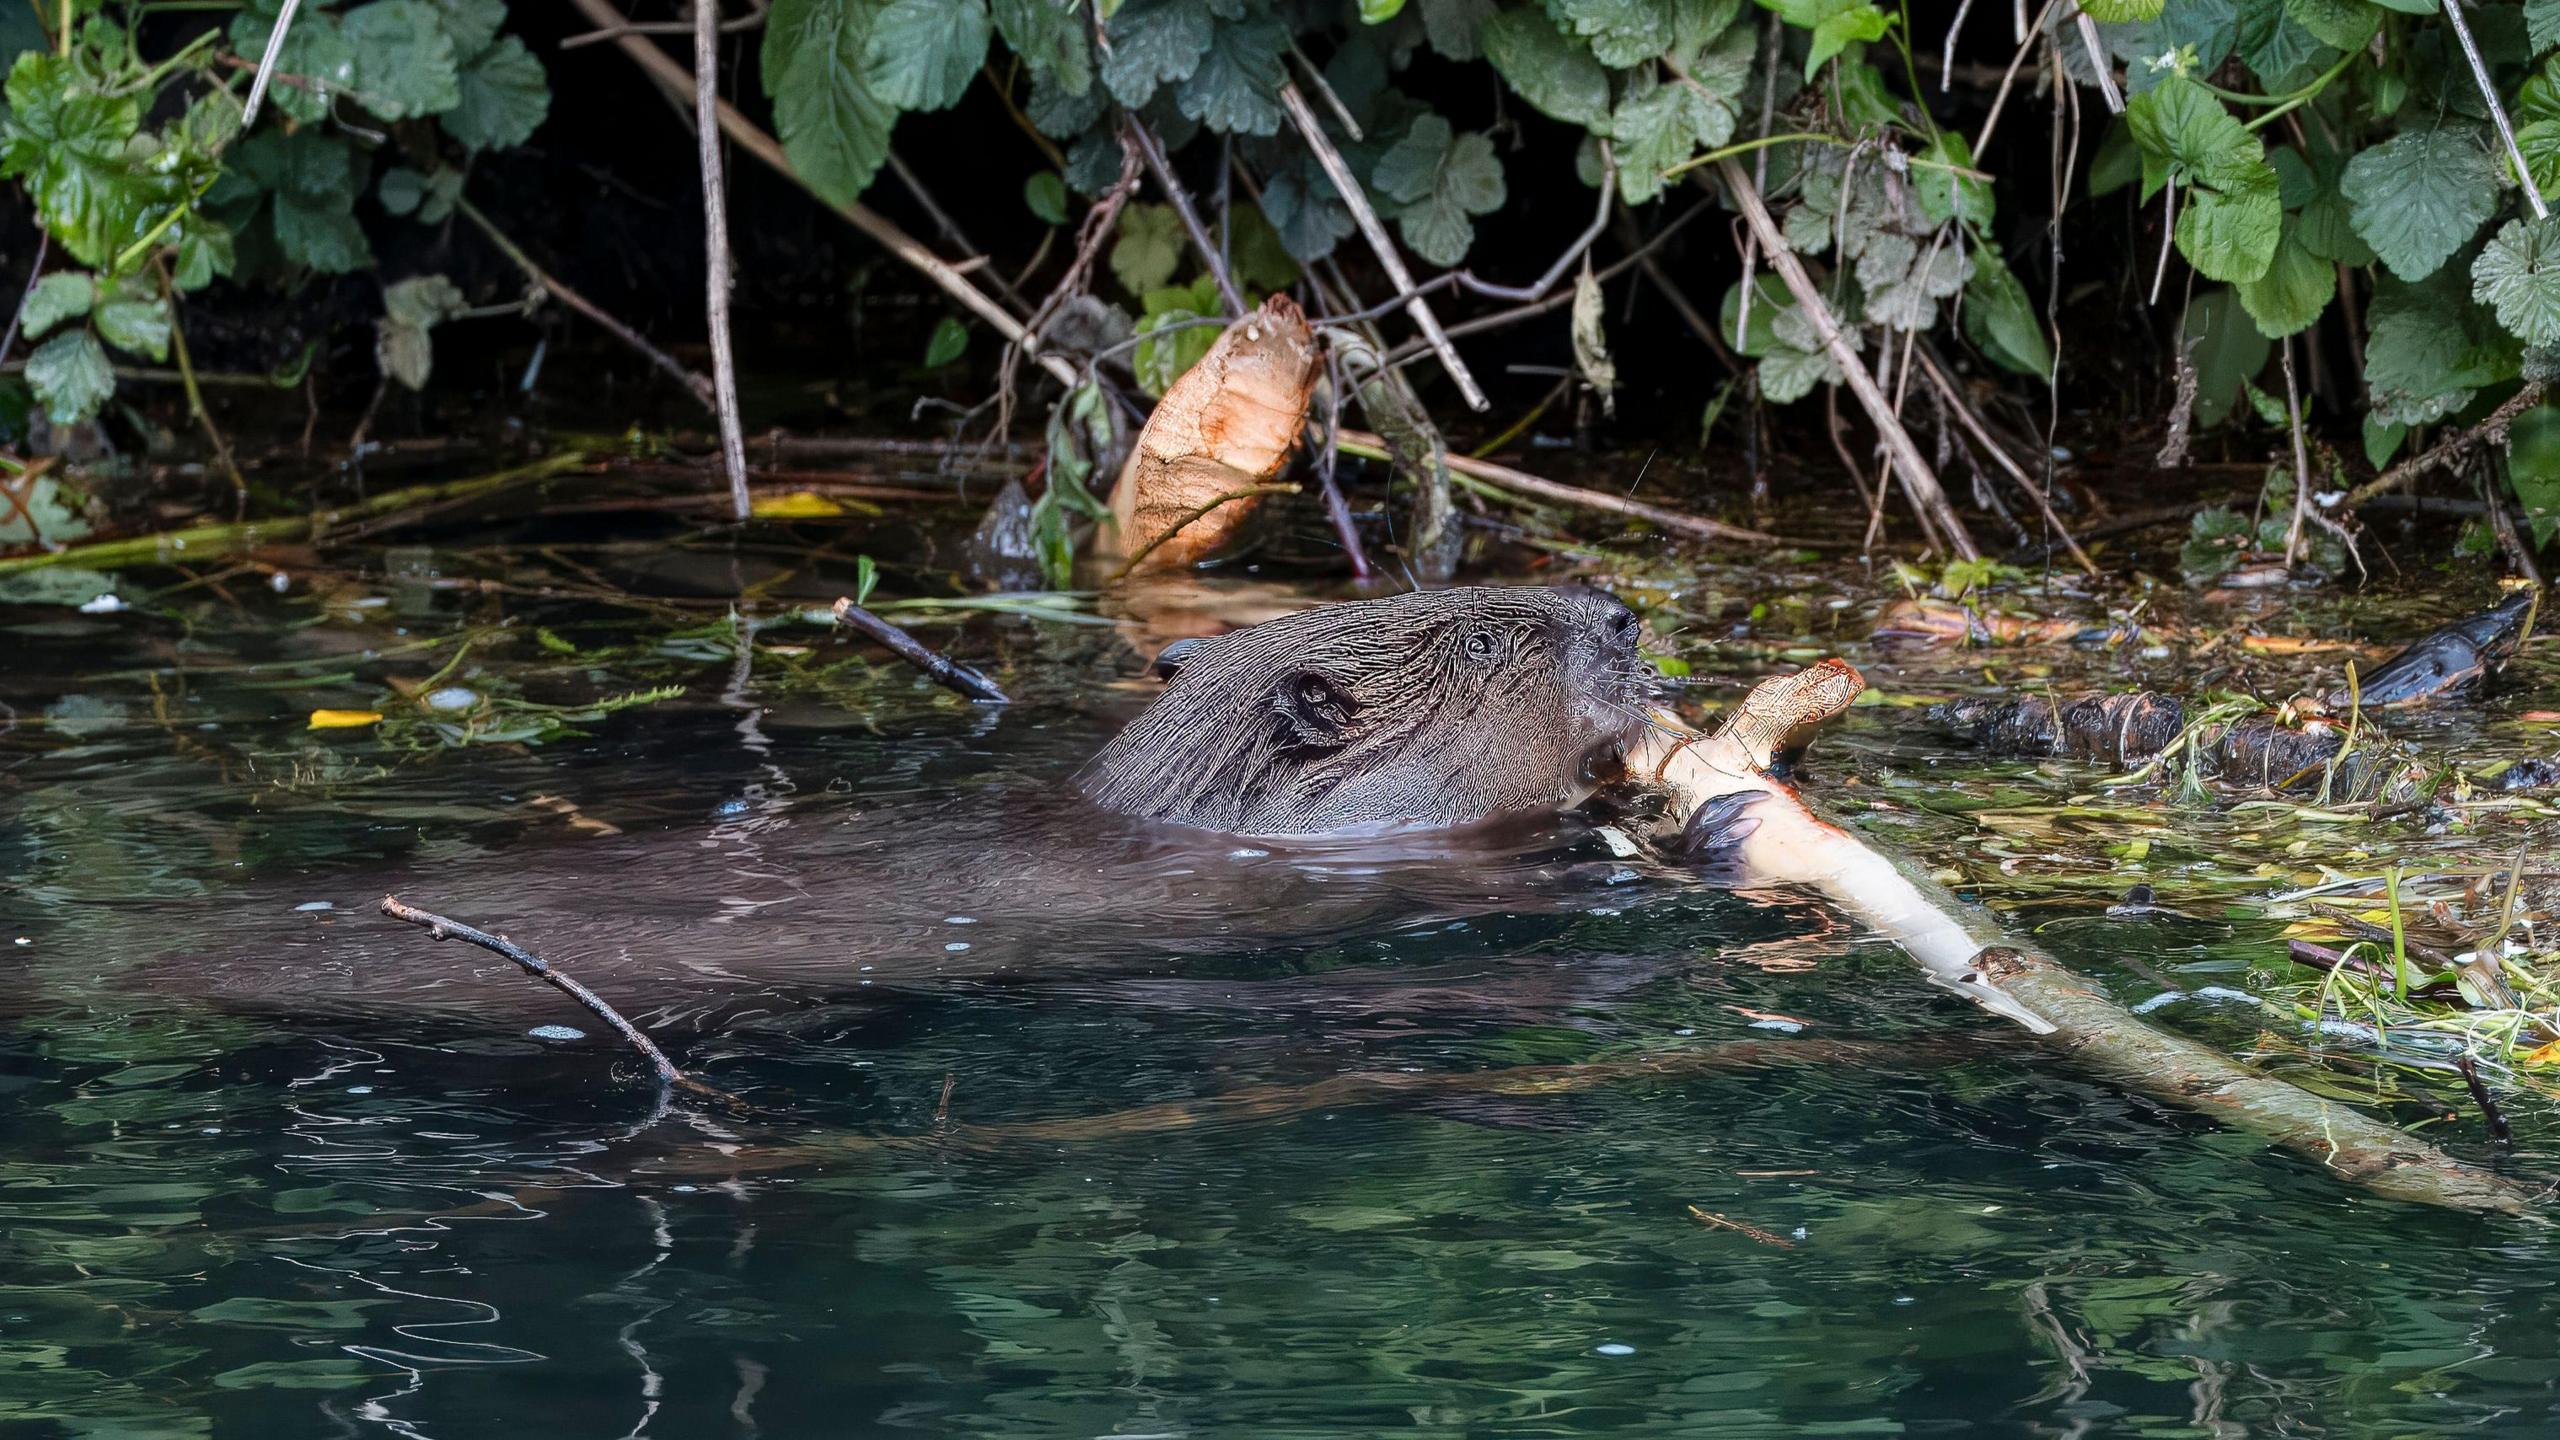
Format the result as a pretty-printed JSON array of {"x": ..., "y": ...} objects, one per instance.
[
  {"x": 2293, "y": 292},
  {"x": 2341, "y": 24},
  {"x": 1307, "y": 214},
  {"x": 1149, "y": 247},
  {"x": 2325, "y": 227},
  {"x": 950, "y": 341},
  {"x": 2120, "y": 12},
  {"x": 315, "y": 49},
  {"x": 1046, "y": 195},
  {"x": 135, "y": 319},
  {"x": 1049, "y": 35},
  {"x": 833, "y": 129},
  {"x": 204, "y": 252},
  {"x": 1456, "y": 27},
  {"x": 290, "y": 198},
  {"x": 1549, "y": 69},
  {"x": 1619, "y": 32},
  {"x": 411, "y": 309},
  {"x": 1255, "y": 252},
  {"x": 1944, "y": 195},
  {"x": 62, "y": 295},
  {"x": 922, "y": 54},
  {"x": 1442, "y": 179},
  {"x": 2416, "y": 197},
  {"x": 1836, "y": 25},
  {"x": 2542, "y": 23},
  {"x": 2517, "y": 274},
  {"x": 2226, "y": 350},
  {"x": 2540, "y": 142},
  {"x": 473, "y": 24},
  {"x": 2275, "y": 46},
  {"x": 1769, "y": 295},
  {"x": 404, "y": 63},
  {"x": 1164, "y": 353},
  {"x": 1660, "y": 124},
  {"x": 1235, "y": 90},
  {"x": 1153, "y": 42},
  {"x": 2533, "y": 469},
  {"x": 2001, "y": 319},
  {"x": 2381, "y": 441},
  {"x": 70, "y": 377},
  {"x": 505, "y": 98},
  {"x": 95, "y": 190},
  {"x": 2429, "y": 349},
  {"x": 2230, "y": 214}
]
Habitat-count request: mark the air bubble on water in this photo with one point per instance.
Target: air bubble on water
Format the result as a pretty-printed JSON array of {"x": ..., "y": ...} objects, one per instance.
[
  {"x": 359, "y": 1089},
  {"x": 557, "y": 1032},
  {"x": 1613, "y": 1348},
  {"x": 309, "y": 905},
  {"x": 959, "y": 919},
  {"x": 956, "y": 946}
]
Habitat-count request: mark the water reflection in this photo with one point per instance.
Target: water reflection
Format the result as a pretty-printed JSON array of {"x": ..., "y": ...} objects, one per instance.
[{"x": 380, "y": 1205}]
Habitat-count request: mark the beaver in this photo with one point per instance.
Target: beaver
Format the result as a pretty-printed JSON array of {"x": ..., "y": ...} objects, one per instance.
[
  {"x": 1414, "y": 757},
  {"x": 1428, "y": 710}
]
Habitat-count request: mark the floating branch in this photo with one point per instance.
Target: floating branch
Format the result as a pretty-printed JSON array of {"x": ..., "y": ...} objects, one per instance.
[
  {"x": 534, "y": 965},
  {"x": 939, "y": 668}
]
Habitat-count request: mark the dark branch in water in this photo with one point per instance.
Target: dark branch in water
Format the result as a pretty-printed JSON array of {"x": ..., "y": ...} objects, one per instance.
[
  {"x": 534, "y": 965},
  {"x": 2499, "y": 1130},
  {"x": 942, "y": 670}
]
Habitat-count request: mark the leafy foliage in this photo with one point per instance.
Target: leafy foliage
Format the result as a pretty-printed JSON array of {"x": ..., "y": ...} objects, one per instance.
[{"x": 139, "y": 171}]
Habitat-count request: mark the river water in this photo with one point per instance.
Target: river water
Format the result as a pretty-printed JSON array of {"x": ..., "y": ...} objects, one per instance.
[{"x": 1008, "y": 1200}]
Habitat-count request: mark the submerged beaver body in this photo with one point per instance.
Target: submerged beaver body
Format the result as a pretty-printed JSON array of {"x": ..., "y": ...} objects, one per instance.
[{"x": 1413, "y": 715}]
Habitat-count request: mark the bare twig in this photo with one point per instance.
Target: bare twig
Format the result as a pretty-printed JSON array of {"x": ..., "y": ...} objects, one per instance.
[
  {"x": 2499, "y": 1129},
  {"x": 35, "y": 272},
  {"x": 939, "y": 668},
  {"x": 2008, "y": 78},
  {"x": 1745, "y": 1227},
  {"x": 754, "y": 21},
  {"x": 196, "y": 407},
  {"x": 534, "y": 965},
  {"x": 2098, "y": 60},
  {"x": 715, "y": 248},
  {"x": 1375, "y": 231},
  {"x": 1332, "y": 102},
  {"x": 1947, "y": 59},
  {"x": 1249, "y": 492},
  {"x": 2301, "y": 457},
  {"x": 753, "y": 139},
  {"x": 2497, "y": 112},
  {"x": 1503, "y": 477},
  {"x": 695, "y": 385},
  {"x": 952, "y": 232},
  {"x": 1918, "y": 482},
  {"x": 1151, "y": 150},
  {"x": 1981, "y": 434},
  {"x": 1502, "y": 319},
  {"x": 2490, "y": 431},
  {"x": 266, "y": 63}
]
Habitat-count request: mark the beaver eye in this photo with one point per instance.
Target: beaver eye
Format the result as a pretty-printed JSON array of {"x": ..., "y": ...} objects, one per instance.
[
  {"x": 1314, "y": 691},
  {"x": 1480, "y": 645}
]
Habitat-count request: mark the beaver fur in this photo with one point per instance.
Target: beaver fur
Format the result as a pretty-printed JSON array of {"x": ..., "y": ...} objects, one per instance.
[{"x": 1434, "y": 709}]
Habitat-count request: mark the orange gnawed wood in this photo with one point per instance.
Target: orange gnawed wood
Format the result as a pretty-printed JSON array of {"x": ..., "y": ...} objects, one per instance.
[{"x": 1227, "y": 426}]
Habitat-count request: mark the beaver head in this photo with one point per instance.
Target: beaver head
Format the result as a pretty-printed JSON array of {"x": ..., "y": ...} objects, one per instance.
[{"x": 1433, "y": 709}]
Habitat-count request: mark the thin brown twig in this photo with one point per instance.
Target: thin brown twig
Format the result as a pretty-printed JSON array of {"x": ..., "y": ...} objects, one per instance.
[
  {"x": 2301, "y": 457},
  {"x": 1375, "y": 231},
  {"x": 1981, "y": 434},
  {"x": 202, "y": 413},
  {"x": 1919, "y": 483},
  {"x": 35, "y": 273},
  {"x": 1196, "y": 512},
  {"x": 715, "y": 249},
  {"x": 2445, "y": 452},
  {"x": 937, "y": 667},
  {"x": 442, "y": 928},
  {"x": 1503, "y": 477},
  {"x": 1151, "y": 149},
  {"x": 743, "y": 23},
  {"x": 695, "y": 385},
  {"x": 753, "y": 139},
  {"x": 1742, "y": 1227}
]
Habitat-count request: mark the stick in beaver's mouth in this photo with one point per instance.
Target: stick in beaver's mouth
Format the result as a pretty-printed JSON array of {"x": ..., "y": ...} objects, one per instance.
[{"x": 1781, "y": 839}]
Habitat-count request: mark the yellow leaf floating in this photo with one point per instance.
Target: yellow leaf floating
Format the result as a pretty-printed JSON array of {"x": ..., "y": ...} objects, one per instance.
[
  {"x": 344, "y": 719},
  {"x": 798, "y": 505},
  {"x": 2544, "y": 1054}
]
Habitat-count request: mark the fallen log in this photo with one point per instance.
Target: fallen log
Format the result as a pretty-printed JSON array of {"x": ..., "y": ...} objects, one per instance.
[{"x": 1786, "y": 840}]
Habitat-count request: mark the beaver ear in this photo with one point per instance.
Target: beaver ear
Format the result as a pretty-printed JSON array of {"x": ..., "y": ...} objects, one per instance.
[{"x": 1173, "y": 657}]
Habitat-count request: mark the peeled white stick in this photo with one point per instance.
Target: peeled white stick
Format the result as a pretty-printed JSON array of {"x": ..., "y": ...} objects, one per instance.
[{"x": 1963, "y": 948}]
